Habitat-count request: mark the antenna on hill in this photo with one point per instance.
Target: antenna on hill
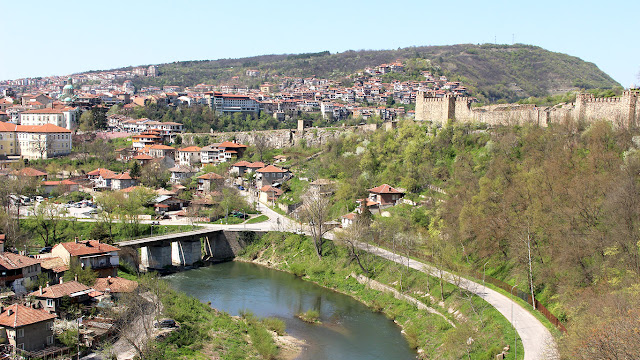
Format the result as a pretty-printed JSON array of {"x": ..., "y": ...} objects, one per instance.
[{"x": 495, "y": 39}]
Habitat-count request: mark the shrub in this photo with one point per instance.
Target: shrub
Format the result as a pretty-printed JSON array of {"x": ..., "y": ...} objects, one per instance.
[{"x": 275, "y": 324}]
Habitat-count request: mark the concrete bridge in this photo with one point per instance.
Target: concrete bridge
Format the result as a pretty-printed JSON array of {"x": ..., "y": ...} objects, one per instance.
[{"x": 187, "y": 248}]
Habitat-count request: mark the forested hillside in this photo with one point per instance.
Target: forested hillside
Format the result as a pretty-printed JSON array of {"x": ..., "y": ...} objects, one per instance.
[
  {"x": 552, "y": 210},
  {"x": 492, "y": 72}
]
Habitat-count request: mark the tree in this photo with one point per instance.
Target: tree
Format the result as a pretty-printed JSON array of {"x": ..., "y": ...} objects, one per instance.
[
  {"x": 47, "y": 216},
  {"x": 83, "y": 273},
  {"x": 315, "y": 212},
  {"x": 43, "y": 145},
  {"x": 110, "y": 204},
  {"x": 261, "y": 143},
  {"x": 356, "y": 239},
  {"x": 135, "y": 170}
]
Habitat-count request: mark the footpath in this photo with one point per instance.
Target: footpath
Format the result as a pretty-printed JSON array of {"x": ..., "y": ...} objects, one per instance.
[{"x": 537, "y": 340}]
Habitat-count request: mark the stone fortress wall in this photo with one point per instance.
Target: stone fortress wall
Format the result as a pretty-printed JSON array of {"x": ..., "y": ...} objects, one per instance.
[{"x": 623, "y": 111}]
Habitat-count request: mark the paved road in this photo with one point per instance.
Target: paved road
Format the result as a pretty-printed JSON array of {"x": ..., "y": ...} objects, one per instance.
[{"x": 537, "y": 341}]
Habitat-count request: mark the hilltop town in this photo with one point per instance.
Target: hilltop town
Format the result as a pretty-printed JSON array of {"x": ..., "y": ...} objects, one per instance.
[{"x": 102, "y": 182}]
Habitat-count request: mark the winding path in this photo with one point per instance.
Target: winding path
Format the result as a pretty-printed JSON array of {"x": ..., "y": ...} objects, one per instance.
[{"x": 537, "y": 340}]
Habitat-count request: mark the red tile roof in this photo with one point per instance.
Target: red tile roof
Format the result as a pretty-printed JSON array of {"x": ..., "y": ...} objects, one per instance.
[
  {"x": 271, "y": 169},
  {"x": 211, "y": 176},
  {"x": 161, "y": 147},
  {"x": 60, "y": 290},
  {"x": 143, "y": 157},
  {"x": 229, "y": 144},
  {"x": 11, "y": 261},
  {"x": 115, "y": 285},
  {"x": 269, "y": 188},
  {"x": 46, "y": 128},
  {"x": 242, "y": 163},
  {"x": 257, "y": 165},
  {"x": 30, "y": 172},
  {"x": 17, "y": 315},
  {"x": 87, "y": 247},
  {"x": 101, "y": 172},
  {"x": 384, "y": 189},
  {"x": 190, "y": 149}
]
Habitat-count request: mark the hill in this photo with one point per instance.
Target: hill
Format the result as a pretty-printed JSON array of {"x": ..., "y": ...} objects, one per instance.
[{"x": 492, "y": 72}]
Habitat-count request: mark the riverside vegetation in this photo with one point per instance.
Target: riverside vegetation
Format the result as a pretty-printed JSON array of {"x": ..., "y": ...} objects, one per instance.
[
  {"x": 552, "y": 210},
  {"x": 470, "y": 328}
]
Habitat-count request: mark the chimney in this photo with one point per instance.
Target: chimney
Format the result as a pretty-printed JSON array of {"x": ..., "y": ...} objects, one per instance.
[
  {"x": 61, "y": 280},
  {"x": 10, "y": 312},
  {"x": 75, "y": 277},
  {"x": 76, "y": 239},
  {"x": 40, "y": 289}
]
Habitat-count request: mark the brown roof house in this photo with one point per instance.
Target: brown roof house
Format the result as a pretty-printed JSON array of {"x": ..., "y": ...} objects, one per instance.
[
  {"x": 100, "y": 257},
  {"x": 269, "y": 175},
  {"x": 115, "y": 286},
  {"x": 180, "y": 173},
  {"x": 50, "y": 297},
  {"x": 16, "y": 270},
  {"x": 26, "y": 328},
  {"x": 209, "y": 182},
  {"x": 384, "y": 195},
  {"x": 269, "y": 194}
]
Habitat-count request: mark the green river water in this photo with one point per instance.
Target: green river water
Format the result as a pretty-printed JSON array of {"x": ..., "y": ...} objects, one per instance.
[{"x": 349, "y": 330}]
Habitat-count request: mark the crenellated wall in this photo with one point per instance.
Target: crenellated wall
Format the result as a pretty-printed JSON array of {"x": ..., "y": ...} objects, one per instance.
[{"x": 622, "y": 111}]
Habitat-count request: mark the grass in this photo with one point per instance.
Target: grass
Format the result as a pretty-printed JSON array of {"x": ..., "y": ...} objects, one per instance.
[
  {"x": 206, "y": 333},
  {"x": 310, "y": 316},
  {"x": 258, "y": 219},
  {"x": 232, "y": 220},
  {"x": 434, "y": 335}
]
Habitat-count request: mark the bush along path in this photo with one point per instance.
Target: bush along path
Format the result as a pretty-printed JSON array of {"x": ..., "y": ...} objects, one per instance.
[
  {"x": 537, "y": 340},
  {"x": 451, "y": 323}
]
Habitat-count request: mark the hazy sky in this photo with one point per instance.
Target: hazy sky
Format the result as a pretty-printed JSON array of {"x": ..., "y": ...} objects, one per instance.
[{"x": 41, "y": 38}]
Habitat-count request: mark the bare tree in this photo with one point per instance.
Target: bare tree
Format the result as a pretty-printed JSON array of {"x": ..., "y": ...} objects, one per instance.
[
  {"x": 261, "y": 143},
  {"x": 43, "y": 144},
  {"x": 315, "y": 212},
  {"x": 355, "y": 238}
]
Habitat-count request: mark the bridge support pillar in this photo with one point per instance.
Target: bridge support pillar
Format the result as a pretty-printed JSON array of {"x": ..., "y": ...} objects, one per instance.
[
  {"x": 155, "y": 257},
  {"x": 185, "y": 253}
]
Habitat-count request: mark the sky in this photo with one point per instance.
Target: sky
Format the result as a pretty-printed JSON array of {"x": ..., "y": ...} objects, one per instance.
[{"x": 42, "y": 38}]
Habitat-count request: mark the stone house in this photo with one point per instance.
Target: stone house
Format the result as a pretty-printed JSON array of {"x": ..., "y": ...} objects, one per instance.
[
  {"x": 208, "y": 181},
  {"x": 158, "y": 151},
  {"x": 240, "y": 168},
  {"x": 180, "y": 173},
  {"x": 100, "y": 257},
  {"x": 26, "y": 328},
  {"x": 269, "y": 175},
  {"x": 122, "y": 181}
]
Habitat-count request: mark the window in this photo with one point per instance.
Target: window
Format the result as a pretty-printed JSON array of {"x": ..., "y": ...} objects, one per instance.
[
  {"x": 50, "y": 303},
  {"x": 21, "y": 346},
  {"x": 50, "y": 340},
  {"x": 19, "y": 333},
  {"x": 50, "y": 325}
]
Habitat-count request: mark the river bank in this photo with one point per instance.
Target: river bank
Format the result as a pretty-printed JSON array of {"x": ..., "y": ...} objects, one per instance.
[{"x": 464, "y": 325}]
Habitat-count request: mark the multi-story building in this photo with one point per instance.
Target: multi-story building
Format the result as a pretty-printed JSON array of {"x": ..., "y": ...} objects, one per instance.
[
  {"x": 100, "y": 257},
  {"x": 231, "y": 103},
  {"x": 27, "y": 328},
  {"x": 66, "y": 117},
  {"x": 34, "y": 141},
  {"x": 189, "y": 155}
]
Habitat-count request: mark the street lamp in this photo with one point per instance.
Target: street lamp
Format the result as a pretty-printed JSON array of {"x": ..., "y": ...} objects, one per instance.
[{"x": 515, "y": 333}]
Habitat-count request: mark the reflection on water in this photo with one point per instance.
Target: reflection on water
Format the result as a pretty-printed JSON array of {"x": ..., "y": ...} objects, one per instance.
[{"x": 349, "y": 330}]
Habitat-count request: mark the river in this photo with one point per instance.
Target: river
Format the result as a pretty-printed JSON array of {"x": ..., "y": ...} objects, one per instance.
[{"x": 349, "y": 330}]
